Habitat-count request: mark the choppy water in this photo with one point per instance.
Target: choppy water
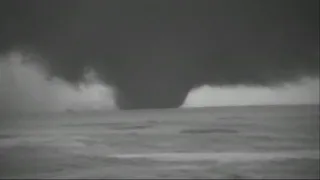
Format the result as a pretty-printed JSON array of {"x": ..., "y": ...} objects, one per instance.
[{"x": 228, "y": 142}]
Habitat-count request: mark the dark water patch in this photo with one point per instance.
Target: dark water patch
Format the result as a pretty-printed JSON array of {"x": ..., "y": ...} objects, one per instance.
[
  {"x": 131, "y": 127},
  {"x": 259, "y": 138},
  {"x": 103, "y": 124},
  {"x": 116, "y": 126},
  {"x": 113, "y": 161},
  {"x": 231, "y": 118},
  {"x": 6, "y": 136},
  {"x": 207, "y": 131},
  {"x": 236, "y": 176}
]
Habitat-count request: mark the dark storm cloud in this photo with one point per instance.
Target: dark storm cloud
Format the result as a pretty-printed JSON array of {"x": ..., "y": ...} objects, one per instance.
[{"x": 155, "y": 52}]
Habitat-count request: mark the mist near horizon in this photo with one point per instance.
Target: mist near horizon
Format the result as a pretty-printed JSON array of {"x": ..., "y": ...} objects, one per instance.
[{"x": 25, "y": 88}]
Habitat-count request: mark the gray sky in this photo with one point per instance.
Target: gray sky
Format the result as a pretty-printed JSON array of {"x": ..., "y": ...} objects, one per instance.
[{"x": 25, "y": 88}]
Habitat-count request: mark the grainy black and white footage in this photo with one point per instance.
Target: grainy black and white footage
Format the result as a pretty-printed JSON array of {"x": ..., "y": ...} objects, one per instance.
[{"x": 153, "y": 53}]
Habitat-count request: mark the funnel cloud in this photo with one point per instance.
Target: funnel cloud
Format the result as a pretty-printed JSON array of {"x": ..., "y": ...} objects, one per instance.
[{"x": 153, "y": 53}]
